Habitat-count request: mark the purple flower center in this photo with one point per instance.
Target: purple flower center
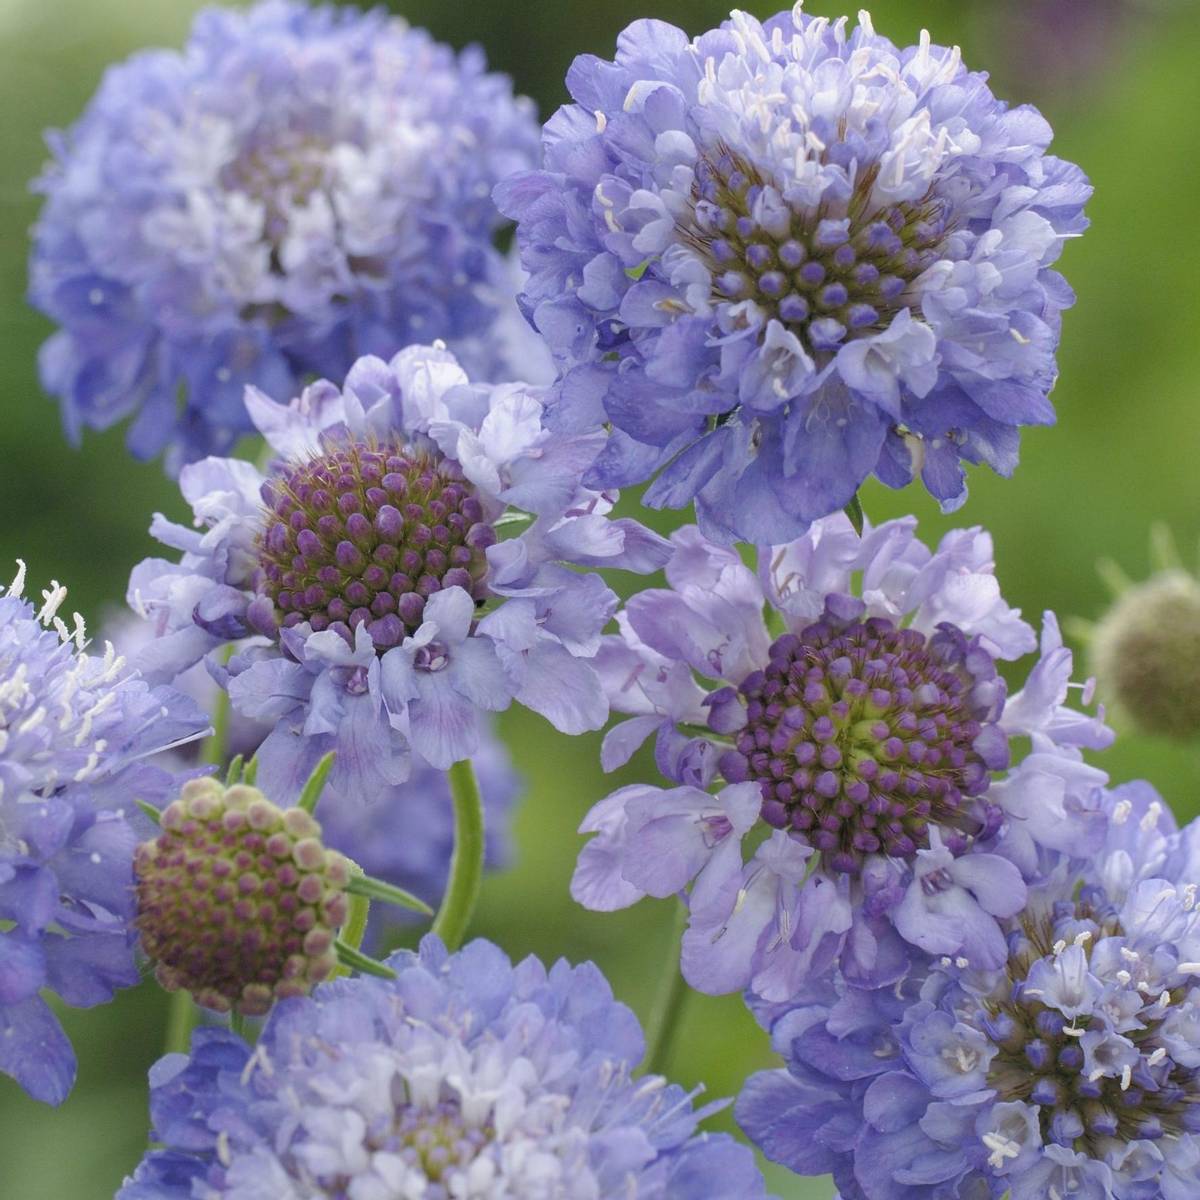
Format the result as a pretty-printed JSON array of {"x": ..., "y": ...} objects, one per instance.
[
  {"x": 238, "y": 901},
  {"x": 437, "y": 1141},
  {"x": 861, "y": 737},
  {"x": 825, "y": 279},
  {"x": 1104, "y": 1075},
  {"x": 368, "y": 532}
]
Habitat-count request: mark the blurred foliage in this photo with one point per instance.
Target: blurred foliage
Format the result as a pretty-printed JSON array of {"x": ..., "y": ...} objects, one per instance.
[{"x": 1123, "y": 456}]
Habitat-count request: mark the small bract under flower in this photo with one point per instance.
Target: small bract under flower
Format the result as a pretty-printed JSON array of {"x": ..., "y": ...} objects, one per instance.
[
  {"x": 77, "y": 733},
  {"x": 367, "y": 566},
  {"x": 300, "y": 186},
  {"x": 856, "y": 710},
  {"x": 784, "y": 256},
  {"x": 238, "y": 901},
  {"x": 464, "y": 1076}
]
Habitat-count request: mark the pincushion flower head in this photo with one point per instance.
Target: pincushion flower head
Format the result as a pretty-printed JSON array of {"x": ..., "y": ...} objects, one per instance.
[
  {"x": 464, "y": 1076},
  {"x": 300, "y": 186},
  {"x": 845, "y": 701},
  {"x": 77, "y": 731},
  {"x": 367, "y": 567},
  {"x": 1072, "y": 1068},
  {"x": 784, "y": 256}
]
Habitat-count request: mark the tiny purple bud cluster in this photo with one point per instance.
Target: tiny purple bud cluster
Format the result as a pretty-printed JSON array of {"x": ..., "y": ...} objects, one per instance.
[
  {"x": 368, "y": 532},
  {"x": 238, "y": 900},
  {"x": 861, "y": 737},
  {"x": 437, "y": 1141},
  {"x": 824, "y": 278}
]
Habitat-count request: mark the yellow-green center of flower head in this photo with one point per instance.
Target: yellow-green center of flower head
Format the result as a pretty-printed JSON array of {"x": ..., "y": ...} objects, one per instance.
[{"x": 238, "y": 900}]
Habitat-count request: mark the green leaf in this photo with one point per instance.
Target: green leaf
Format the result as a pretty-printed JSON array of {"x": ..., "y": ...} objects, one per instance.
[
  {"x": 234, "y": 774},
  {"x": 250, "y": 774},
  {"x": 635, "y": 273}
]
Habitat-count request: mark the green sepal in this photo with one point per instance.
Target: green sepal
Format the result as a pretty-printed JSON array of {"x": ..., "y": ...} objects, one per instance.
[
  {"x": 356, "y": 960},
  {"x": 234, "y": 774},
  {"x": 150, "y": 811},
  {"x": 316, "y": 783},
  {"x": 854, "y": 511},
  {"x": 376, "y": 889}
]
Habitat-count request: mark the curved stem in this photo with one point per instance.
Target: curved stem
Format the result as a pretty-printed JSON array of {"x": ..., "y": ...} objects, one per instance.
[
  {"x": 666, "y": 1017},
  {"x": 466, "y": 864}
]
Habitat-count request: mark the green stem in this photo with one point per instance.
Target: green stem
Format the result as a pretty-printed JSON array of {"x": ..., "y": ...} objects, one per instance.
[
  {"x": 181, "y": 1017},
  {"x": 466, "y": 865},
  {"x": 665, "y": 1019}
]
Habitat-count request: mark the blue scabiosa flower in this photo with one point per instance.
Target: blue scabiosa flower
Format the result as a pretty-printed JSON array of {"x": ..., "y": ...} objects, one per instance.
[
  {"x": 465, "y": 1076},
  {"x": 76, "y": 731},
  {"x": 368, "y": 567},
  {"x": 1071, "y": 1069},
  {"x": 856, "y": 714},
  {"x": 299, "y": 187},
  {"x": 785, "y": 256}
]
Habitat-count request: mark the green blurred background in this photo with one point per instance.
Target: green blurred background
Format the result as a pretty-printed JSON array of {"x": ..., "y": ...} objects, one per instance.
[{"x": 1118, "y": 81}]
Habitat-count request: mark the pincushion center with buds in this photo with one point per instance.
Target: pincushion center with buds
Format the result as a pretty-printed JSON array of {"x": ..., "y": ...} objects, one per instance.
[
  {"x": 367, "y": 532},
  {"x": 238, "y": 900}
]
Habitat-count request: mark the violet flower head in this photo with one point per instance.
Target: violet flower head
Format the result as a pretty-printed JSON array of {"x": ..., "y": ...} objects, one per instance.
[
  {"x": 367, "y": 571},
  {"x": 77, "y": 733},
  {"x": 782, "y": 257},
  {"x": 856, "y": 713},
  {"x": 300, "y": 186},
  {"x": 1072, "y": 1068},
  {"x": 464, "y": 1076}
]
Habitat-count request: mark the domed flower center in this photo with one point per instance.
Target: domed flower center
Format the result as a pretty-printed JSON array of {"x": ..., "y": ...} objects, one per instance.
[
  {"x": 862, "y": 737},
  {"x": 825, "y": 276},
  {"x": 1107, "y": 1074},
  {"x": 368, "y": 532},
  {"x": 238, "y": 901},
  {"x": 437, "y": 1142}
]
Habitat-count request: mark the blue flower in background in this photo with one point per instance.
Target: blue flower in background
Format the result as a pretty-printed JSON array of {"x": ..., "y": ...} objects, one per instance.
[
  {"x": 1070, "y": 1069},
  {"x": 299, "y": 187},
  {"x": 76, "y": 731},
  {"x": 785, "y": 256},
  {"x": 856, "y": 713},
  {"x": 369, "y": 569},
  {"x": 466, "y": 1076}
]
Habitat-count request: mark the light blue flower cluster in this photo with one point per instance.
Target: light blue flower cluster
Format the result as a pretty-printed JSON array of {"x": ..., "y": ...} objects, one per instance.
[
  {"x": 76, "y": 733},
  {"x": 299, "y": 187},
  {"x": 856, "y": 712},
  {"x": 465, "y": 1076},
  {"x": 757, "y": 267},
  {"x": 358, "y": 562},
  {"x": 782, "y": 257},
  {"x": 1071, "y": 1068}
]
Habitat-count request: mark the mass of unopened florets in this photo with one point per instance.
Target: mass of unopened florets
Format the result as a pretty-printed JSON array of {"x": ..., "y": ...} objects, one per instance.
[
  {"x": 368, "y": 531},
  {"x": 301, "y": 185},
  {"x": 238, "y": 901},
  {"x": 782, "y": 256},
  {"x": 862, "y": 735}
]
